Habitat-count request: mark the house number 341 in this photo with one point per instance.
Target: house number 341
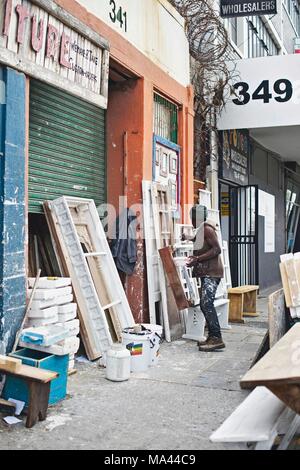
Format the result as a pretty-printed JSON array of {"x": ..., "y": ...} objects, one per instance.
[
  {"x": 281, "y": 91},
  {"x": 118, "y": 15}
]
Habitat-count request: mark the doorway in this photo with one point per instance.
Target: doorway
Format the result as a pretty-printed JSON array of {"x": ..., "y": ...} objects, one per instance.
[{"x": 239, "y": 221}]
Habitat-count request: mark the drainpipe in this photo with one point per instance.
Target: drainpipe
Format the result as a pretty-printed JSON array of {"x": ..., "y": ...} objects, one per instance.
[{"x": 213, "y": 172}]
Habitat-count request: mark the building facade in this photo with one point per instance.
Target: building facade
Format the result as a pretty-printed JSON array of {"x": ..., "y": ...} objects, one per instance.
[
  {"x": 258, "y": 169},
  {"x": 88, "y": 91}
]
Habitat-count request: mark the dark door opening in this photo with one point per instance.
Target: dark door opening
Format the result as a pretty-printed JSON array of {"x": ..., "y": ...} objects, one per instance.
[{"x": 243, "y": 235}]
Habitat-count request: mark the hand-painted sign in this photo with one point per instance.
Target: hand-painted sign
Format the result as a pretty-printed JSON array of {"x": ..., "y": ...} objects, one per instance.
[
  {"x": 234, "y": 156},
  {"x": 33, "y": 39},
  {"x": 234, "y": 8}
]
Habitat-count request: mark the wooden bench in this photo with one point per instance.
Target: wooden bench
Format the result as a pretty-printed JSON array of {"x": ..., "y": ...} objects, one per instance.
[
  {"x": 279, "y": 370},
  {"x": 258, "y": 421},
  {"x": 38, "y": 382},
  {"x": 242, "y": 303}
]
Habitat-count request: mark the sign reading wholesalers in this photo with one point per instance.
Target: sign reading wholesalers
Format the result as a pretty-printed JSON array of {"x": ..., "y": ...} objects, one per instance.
[
  {"x": 234, "y": 8},
  {"x": 42, "y": 40},
  {"x": 265, "y": 92}
]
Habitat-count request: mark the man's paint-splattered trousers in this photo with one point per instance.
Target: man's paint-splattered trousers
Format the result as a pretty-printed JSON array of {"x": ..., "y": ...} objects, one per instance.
[{"x": 209, "y": 286}]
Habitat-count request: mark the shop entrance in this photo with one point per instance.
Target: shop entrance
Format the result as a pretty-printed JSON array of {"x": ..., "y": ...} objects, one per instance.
[{"x": 239, "y": 219}]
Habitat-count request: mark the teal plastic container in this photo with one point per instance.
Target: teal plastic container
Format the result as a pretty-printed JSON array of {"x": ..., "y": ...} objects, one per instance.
[{"x": 17, "y": 388}]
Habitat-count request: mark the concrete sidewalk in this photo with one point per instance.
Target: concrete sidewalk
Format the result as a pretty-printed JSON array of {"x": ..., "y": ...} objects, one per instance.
[{"x": 176, "y": 405}]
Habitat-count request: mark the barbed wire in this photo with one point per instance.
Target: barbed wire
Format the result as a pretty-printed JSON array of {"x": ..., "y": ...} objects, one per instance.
[{"x": 210, "y": 49}]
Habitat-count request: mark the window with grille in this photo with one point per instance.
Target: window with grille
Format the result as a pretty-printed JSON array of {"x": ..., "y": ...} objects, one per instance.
[{"x": 165, "y": 119}]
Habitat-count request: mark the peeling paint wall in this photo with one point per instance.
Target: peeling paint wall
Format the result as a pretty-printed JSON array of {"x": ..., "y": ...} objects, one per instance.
[{"x": 12, "y": 206}]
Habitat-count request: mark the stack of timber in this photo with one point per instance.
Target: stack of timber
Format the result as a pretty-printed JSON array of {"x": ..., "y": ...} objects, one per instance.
[
  {"x": 84, "y": 255},
  {"x": 290, "y": 275},
  {"x": 41, "y": 254}
]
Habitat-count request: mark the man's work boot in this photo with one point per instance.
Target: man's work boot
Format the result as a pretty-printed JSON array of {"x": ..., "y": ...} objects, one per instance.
[{"x": 212, "y": 344}]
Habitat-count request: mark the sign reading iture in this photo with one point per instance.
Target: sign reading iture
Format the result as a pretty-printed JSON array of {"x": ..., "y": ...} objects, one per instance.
[
  {"x": 234, "y": 8},
  {"x": 47, "y": 43}
]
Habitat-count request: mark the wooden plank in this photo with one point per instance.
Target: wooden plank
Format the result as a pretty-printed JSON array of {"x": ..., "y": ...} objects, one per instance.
[
  {"x": 262, "y": 350},
  {"x": 173, "y": 277},
  {"x": 31, "y": 373},
  {"x": 10, "y": 364},
  {"x": 280, "y": 366},
  {"x": 277, "y": 317},
  {"x": 250, "y": 299},
  {"x": 159, "y": 245},
  {"x": 152, "y": 257},
  {"x": 236, "y": 307},
  {"x": 285, "y": 284},
  {"x": 254, "y": 420},
  {"x": 294, "y": 287},
  {"x": 242, "y": 289}
]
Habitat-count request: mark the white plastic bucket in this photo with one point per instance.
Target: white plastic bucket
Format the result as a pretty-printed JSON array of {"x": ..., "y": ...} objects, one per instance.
[
  {"x": 139, "y": 345},
  {"x": 156, "y": 331}
]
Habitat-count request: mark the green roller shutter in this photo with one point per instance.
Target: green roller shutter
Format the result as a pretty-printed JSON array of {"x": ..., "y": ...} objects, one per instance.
[{"x": 66, "y": 147}]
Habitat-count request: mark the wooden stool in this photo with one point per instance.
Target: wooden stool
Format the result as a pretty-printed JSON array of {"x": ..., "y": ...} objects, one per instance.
[
  {"x": 242, "y": 303},
  {"x": 38, "y": 382}
]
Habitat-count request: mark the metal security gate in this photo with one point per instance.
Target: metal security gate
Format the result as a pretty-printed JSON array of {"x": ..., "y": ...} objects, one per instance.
[
  {"x": 243, "y": 235},
  {"x": 67, "y": 155}
]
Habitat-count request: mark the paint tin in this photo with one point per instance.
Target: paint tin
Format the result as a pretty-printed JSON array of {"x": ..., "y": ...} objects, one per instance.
[
  {"x": 139, "y": 344},
  {"x": 156, "y": 331}
]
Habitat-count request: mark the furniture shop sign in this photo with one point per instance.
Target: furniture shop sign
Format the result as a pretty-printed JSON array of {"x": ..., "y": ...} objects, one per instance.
[
  {"x": 234, "y": 156},
  {"x": 235, "y": 8},
  {"x": 47, "y": 43},
  {"x": 265, "y": 92}
]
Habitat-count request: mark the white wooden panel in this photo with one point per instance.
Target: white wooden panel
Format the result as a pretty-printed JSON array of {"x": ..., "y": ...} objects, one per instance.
[
  {"x": 254, "y": 420},
  {"x": 152, "y": 257}
]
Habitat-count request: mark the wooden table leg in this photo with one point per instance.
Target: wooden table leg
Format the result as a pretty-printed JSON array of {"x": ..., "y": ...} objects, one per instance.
[
  {"x": 250, "y": 300},
  {"x": 236, "y": 308},
  {"x": 38, "y": 403}
]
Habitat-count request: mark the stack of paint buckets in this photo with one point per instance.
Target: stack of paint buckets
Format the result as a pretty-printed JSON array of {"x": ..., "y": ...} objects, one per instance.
[{"x": 143, "y": 342}]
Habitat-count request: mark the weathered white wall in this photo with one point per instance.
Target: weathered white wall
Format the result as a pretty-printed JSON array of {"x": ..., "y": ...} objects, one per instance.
[{"x": 154, "y": 27}]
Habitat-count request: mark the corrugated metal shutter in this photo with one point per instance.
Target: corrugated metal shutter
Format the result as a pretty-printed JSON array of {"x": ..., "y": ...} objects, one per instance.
[{"x": 66, "y": 147}]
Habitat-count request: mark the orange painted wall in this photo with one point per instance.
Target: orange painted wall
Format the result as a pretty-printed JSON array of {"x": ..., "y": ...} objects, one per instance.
[
  {"x": 125, "y": 114},
  {"x": 131, "y": 111}
]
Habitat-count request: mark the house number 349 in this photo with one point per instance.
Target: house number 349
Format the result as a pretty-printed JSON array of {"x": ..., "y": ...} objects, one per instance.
[
  {"x": 118, "y": 15},
  {"x": 281, "y": 91}
]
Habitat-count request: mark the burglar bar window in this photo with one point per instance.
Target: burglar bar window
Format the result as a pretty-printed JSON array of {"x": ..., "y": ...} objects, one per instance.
[
  {"x": 260, "y": 42},
  {"x": 165, "y": 119}
]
